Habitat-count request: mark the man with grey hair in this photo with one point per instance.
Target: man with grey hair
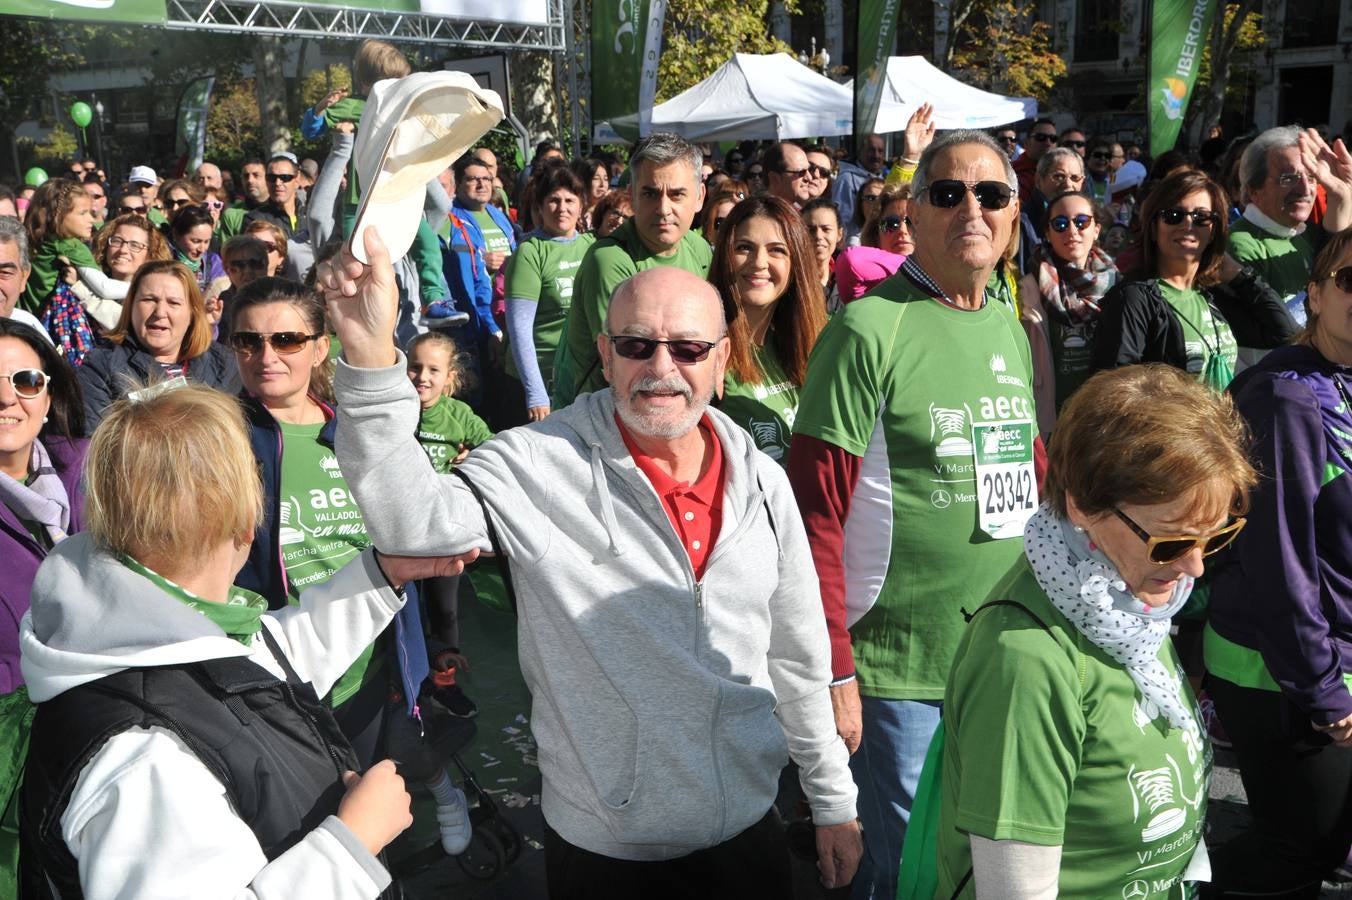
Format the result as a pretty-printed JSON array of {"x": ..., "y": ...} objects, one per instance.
[
  {"x": 669, "y": 620},
  {"x": 918, "y": 398},
  {"x": 15, "y": 268},
  {"x": 666, "y": 192},
  {"x": 1280, "y": 174}
]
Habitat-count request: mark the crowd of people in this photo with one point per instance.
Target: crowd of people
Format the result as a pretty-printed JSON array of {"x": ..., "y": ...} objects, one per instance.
[{"x": 994, "y": 482}]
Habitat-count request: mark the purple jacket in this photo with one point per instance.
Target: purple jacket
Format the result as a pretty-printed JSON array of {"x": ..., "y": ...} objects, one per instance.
[
  {"x": 22, "y": 555},
  {"x": 1286, "y": 589}
]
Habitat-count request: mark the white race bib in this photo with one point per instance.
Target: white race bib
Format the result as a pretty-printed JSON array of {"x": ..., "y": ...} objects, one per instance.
[{"x": 1006, "y": 486}]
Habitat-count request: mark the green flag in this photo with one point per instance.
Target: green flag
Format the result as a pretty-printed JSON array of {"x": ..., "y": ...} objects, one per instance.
[
  {"x": 876, "y": 38},
  {"x": 625, "y": 45},
  {"x": 191, "y": 138},
  {"x": 1178, "y": 33},
  {"x": 146, "y": 12}
]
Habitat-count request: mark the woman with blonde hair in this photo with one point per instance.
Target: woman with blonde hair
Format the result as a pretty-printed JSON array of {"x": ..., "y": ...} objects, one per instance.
[
  {"x": 179, "y": 741},
  {"x": 1074, "y": 760},
  {"x": 1278, "y": 639},
  {"x": 163, "y": 332}
]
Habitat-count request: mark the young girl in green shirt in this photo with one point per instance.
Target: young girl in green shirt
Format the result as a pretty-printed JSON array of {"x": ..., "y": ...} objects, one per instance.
[
  {"x": 60, "y": 223},
  {"x": 448, "y": 429}
]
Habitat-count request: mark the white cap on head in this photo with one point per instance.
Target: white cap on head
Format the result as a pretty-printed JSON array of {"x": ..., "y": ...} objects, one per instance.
[{"x": 142, "y": 175}]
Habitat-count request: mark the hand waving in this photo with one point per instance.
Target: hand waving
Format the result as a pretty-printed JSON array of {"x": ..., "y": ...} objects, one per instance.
[
  {"x": 919, "y": 132},
  {"x": 363, "y": 303}
]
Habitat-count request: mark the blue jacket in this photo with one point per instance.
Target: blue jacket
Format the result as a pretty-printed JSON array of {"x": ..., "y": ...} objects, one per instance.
[
  {"x": 464, "y": 267},
  {"x": 264, "y": 572}
]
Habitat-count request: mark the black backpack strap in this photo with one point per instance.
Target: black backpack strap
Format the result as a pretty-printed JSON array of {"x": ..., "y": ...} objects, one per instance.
[
  {"x": 969, "y": 616},
  {"x": 276, "y": 650},
  {"x": 493, "y": 542}
]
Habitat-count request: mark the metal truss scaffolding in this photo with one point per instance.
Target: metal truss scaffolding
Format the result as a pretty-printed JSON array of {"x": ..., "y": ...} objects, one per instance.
[{"x": 291, "y": 19}]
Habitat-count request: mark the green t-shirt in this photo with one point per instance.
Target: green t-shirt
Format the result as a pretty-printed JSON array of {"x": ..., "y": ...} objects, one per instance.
[
  {"x": 445, "y": 426},
  {"x": 1204, "y": 332},
  {"x": 611, "y": 260},
  {"x": 320, "y": 529},
  {"x": 1049, "y": 742},
  {"x": 766, "y": 410},
  {"x": 1283, "y": 262},
  {"x": 901, "y": 380},
  {"x": 494, "y": 238},
  {"x": 42, "y": 280},
  {"x": 232, "y": 222},
  {"x": 543, "y": 270}
]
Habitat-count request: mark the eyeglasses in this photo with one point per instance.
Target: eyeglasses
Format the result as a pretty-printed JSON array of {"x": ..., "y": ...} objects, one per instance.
[
  {"x": 131, "y": 210},
  {"x": 948, "y": 193},
  {"x": 1074, "y": 145},
  {"x": 684, "y": 352},
  {"x": 1065, "y": 178},
  {"x": 819, "y": 171},
  {"x": 1006, "y": 138},
  {"x": 1165, "y": 549},
  {"x": 1201, "y": 218},
  {"x": 283, "y": 177},
  {"x": 117, "y": 243},
  {"x": 1342, "y": 279},
  {"x": 1061, "y": 223},
  {"x": 235, "y": 264},
  {"x": 29, "y": 384},
  {"x": 1291, "y": 179},
  {"x": 795, "y": 174},
  {"x": 284, "y": 342},
  {"x": 894, "y": 223},
  {"x": 477, "y": 179},
  {"x": 175, "y": 204},
  {"x": 1099, "y": 154},
  {"x": 1043, "y": 137}
]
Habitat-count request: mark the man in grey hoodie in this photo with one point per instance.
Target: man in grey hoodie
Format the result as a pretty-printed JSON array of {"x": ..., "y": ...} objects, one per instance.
[{"x": 670, "y": 627}]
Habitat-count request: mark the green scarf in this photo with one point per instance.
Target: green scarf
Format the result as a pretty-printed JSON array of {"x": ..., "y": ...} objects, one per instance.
[
  {"x": 193, "y": 267},
  {"x": 240, "y": 617}
]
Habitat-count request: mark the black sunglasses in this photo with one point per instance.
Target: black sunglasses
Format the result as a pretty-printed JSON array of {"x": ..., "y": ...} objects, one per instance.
[
  {"x": 1100, "y": 154},
  {"x": 28, "y": 383},
  {"x": 819, "y": 171},
  {"x": 684, "y": 352},
  {"x": 284, "y": 342},
  {"x": 1075, "y": 145},
  {"x": 893, "y": 223},
  {"x": 1201, "y": 218},
  {"x": 948, "y": 193},
  {"x": 1165, "y": 549},
  {"x": 283, "y": 177},
  {"x": 131, "y": 210},
  {"x": 1042, "y": 137},
  {"x": 1061, "y": 223},
  {"x": 1342, "y": 279},
  {"x": 1006, "y": 139}
]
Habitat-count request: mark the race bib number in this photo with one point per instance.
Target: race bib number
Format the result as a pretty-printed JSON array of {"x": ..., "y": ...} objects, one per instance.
[{"x": 1005, "y": 482}]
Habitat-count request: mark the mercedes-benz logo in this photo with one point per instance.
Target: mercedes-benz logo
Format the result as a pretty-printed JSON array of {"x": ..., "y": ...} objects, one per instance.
[
  {"x": 1136, "y": 889},
  {"x": 941, "y": 499}
]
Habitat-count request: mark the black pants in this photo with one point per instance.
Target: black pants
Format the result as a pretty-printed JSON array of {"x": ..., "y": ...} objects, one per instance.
[
  {"x": 749, "y": 866},
  {"x": 440, "y": 601},
  {"x": 1299, "y": 786}
]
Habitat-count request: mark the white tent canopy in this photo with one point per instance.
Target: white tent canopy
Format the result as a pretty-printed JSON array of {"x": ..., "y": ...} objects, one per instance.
[
  {"x": 751, "y": 97},
  {"x": 912, "y": 80}
]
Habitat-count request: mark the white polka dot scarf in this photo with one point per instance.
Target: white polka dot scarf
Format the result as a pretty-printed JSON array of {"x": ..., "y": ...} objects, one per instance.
[{"x": 1087, "y": 589}]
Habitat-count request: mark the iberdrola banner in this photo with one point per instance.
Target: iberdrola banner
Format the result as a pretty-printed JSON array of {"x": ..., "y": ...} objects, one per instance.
[
  {"x": 1178, "y": 33},
  {"x": 875, "y": 40},
  {"x": 625, "y": 46}
]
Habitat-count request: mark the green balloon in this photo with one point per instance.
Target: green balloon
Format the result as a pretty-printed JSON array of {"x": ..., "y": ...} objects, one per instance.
[
  {"x": 34, "y": 177},
  {"x": 80, "y": 113}
]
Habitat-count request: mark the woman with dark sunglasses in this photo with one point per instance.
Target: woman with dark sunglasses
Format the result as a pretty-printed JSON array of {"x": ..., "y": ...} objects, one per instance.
[
  {"x": 163, "y": 332},
  {"x": 41, "y": 454},
  {"x": 1061, "y": 294},
  {"x": 765, "y": 271},
  {"x": 1278, "y": 641},
  {"x": 1190, "y": 305},
  {"x": 311, "y": 527},
  {"x": 887, "y": 240},
  {"x": 1075, "y": 762}
]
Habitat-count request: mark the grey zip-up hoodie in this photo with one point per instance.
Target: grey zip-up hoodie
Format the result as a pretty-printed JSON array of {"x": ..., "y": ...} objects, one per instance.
[{"x": 664, "y": 707}]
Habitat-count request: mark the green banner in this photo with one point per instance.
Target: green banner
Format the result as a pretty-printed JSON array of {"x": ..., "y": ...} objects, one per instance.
[
  {"x": 191, "y": 137},
  {"x": 1178, "y": 33},
  {"x": 142, "y": 12},
  {"x": 875, "y": 41},
  {"x": 626, "y": 40}
]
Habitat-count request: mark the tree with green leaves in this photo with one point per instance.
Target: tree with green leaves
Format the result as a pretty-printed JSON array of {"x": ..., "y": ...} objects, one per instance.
[
  {"x": 701, "y": 35},
  {"x": 1224, "y": 71},
  {"x": 1002, "y": 46}
]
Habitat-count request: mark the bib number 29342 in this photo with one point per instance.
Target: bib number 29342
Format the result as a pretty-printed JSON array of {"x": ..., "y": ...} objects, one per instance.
[{"x": 1005, "y": 482}]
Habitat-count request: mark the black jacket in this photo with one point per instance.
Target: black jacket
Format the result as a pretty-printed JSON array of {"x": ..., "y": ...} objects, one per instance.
[
  {"x": 104, "y": 373},
  {"x": 1138, "y": 325}
]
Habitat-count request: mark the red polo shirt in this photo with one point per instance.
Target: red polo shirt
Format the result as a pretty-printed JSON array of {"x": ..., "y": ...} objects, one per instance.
[{"x": 695, "y": 510}]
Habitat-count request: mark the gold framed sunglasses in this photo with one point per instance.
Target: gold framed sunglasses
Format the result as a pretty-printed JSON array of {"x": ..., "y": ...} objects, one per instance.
[{"x": 1167, "y": 548}]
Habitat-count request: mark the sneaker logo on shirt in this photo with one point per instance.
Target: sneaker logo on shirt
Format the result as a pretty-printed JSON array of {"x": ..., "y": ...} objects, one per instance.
[{"x": 950, "y": 426}]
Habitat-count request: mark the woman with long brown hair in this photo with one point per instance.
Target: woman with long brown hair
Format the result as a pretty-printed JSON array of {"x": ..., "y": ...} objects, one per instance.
[{"x": 764, "y": 269}]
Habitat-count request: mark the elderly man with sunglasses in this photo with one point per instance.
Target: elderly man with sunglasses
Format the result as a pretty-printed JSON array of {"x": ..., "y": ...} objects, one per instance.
[
  {"x": 912, "y": 462},
  {"x": 670, "y": 626}
]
